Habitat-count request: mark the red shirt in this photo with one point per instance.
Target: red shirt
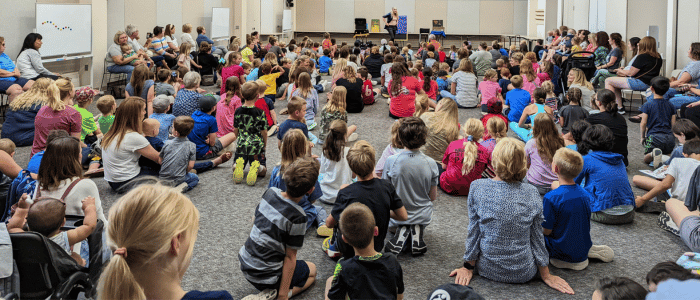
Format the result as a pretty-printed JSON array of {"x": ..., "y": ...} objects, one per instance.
[
  {"x": 404, "y": 104},
  {"x": 442, "y": 56},
  {"x": 452, "y": 180},
  {"x": 485, "y": 120},
  {"x": 432, "y": 93},
  {"x": 261, "y": 104},
  {"x": 367, "y": 92},
  {"x": 229, "y": 71}
]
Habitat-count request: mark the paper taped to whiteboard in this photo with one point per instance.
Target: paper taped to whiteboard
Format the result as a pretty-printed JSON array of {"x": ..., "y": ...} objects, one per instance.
[{"x": 64, "y": 28}]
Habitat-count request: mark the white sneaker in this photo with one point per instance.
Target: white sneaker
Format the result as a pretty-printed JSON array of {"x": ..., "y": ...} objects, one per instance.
[
  {"x": 268, "y": 294},
  {"x": 567, "y": 265},
  {"x": 326, "y": 86},
  {"x": 353, "y": 137},
  {"x": 601, "y": 252},
  {"x": 182, "y": 187}
]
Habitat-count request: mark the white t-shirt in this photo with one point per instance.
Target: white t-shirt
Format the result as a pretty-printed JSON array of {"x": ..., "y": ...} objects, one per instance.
[
  {"x": 123, "y": 164},
  {"x": 386, "y": 72},
  {"x": 354, "y": 65},
  {"x": 74, "y": 204},
  {"x": 171, "y": 40},
  {"x": 334, "y": 175},
  {"x": 682, "y": 170}
]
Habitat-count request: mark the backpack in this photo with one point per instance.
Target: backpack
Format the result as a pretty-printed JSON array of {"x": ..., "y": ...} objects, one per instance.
[{"x": 23, "y": 183}]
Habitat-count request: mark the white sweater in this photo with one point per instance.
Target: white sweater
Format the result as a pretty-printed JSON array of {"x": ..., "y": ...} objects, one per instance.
[
  {"x": 30, "y": 65},
  {"x": 74, "y": 205}
]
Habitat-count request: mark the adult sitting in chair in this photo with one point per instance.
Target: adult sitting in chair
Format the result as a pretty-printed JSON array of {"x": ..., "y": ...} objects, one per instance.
[
  {"x": 170, "y": 39},
  {"x": 689, "y": 76},
  {"x": 159, "y": 46},
  {"x": 11, "y": 82},
  {"x": 116, "y": 63},
  {"x": 133, "y": 38},
  {"x": 201, "y": 37},
  {"x": 29, "y": 59}
]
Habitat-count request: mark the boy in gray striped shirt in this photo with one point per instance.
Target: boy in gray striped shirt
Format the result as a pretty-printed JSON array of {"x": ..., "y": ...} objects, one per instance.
[{"x": 268, "y": 258}]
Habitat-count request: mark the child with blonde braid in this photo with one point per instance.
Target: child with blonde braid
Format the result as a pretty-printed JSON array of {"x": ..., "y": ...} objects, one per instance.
[{"x": 464, "y": 160}]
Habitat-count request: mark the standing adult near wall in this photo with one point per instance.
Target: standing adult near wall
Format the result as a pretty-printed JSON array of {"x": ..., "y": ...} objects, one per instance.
[
  {"x": 116, "y": 63},
  {"x": 29, "y": 59},
  {"x": 392, "y": 20},
  {"x": 10, "y": 81},
  {"x": 170, "y": 38},
  {"x": 133, "y": 39},
  {"x": 186, "y": 37}
]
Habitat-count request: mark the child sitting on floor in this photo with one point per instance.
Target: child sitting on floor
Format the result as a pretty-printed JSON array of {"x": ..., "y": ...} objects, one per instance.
[
  {"x": 227, "y": 106},
  {"x": 540, "y": 150},
  {"x": 262, "y": 263},
  {"x": 367, "y": 91},
  {"x": 335, "y": 171},
  {"x": 567, "y": 213},
  {"x": 575, "y": 136},
  {"x": 573, "y": 112},
  {"x": 394, "y": 147},
  {"x": 415, "y": 177},
  {"x": 335, "y": 110},
  {"x": 107, "y": 106},
  {"x": 370, "y": 274},
  {"x": 46, "y": 216},
  {"x": 464, "y": 160},
  {"x": 489, "y": 89},
  {"x": 495, "y": 109},
  {"x": 296, "y": 108},
  {"x": 683, "y": 130},
  {"x": 657, "y": 117},
  {"x": 618, "y": 288},
  {"x": 379, "y": 194},
  {"x": 250, "y": 127},
  {"x": 270, "y": 115},
  {"x": 270, "y": 79},
  {"x": 306, "y": 91},
  {"x": 204, "y": 132},
  {"x": 161, "y": 106}
]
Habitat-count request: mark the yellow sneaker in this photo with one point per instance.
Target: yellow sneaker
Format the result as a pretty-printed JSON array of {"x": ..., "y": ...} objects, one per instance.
[
  {"x": 253, "y": 173},
  {"x": 323, "y": 230},
  {"x": 238, "y": 170}
]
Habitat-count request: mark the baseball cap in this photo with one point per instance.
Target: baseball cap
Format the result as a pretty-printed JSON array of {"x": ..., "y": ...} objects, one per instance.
[
  {"x": 161, "y": 103},
  {"x": 206, "y": 103},
  {"x": 84, "y": 94}
]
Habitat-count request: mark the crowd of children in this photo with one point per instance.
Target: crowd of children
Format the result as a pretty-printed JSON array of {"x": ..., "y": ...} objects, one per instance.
[{"x": 571, "y": 159}]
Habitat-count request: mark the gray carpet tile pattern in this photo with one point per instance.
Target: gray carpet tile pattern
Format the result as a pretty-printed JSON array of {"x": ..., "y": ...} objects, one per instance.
[{"x": 226, "y": 209}]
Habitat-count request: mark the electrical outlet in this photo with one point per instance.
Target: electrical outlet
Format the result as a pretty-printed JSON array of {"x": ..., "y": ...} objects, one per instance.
[
  {"x": 86, "y": 68},
  {"x": 237, "y": 27}
]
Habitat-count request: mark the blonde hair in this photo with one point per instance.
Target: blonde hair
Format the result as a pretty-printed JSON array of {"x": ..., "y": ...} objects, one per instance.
[
  {"x": 475, "y": 129},
  {"x": 497, "y": 128},
  {"x": 547, "y": 86},
  {"x": 169, "y": 214},
  {"x": 490, "y": 73},
  {"x": 187, "y": 28},
  {"x": 568, "y": 162},
  {"x": 117, "y": 35},
  {"x": 361, "y": 158},
  {"x": 337, "y": 102},
  {"x": 444, "y": 121},
  {"x": 350, "y": 74},
  {"x": 394, "y": 140},
  {"x": 508, "y": 160},
  {"x": 580, "y": 78},
  {"x": 422, "y": 105},
  {"x": 38, "y": 94},
  {"x": 65, "y": 88},
  {"x": 185, "y": 49},
  {"x": 339, "y": 67}
]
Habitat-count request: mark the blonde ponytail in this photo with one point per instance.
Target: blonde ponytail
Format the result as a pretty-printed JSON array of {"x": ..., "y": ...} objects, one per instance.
[
  {"x": 474, "y": 131},
  {"x": 142, "y": 225}
]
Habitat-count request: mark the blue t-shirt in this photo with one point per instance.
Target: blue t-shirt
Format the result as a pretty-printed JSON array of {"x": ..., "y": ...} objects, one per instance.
[
  {"x": 291, "y": 124},
  {"x": 7, "y": 65},
  {"x": 253, "y": 75},
  {"x": 573, "y": 147},
  {"x": 659, "y": 112},
  {"x": 199, "y": 295},
  {"x": 204, "y": 124},
  {"x": 504, "y": 52},
  {"x": 517, "y": 100},
  {"x": 166, "y": 120},
  {"x": 324, "y": 63},
  {"x": 567, "y": 213},
  {"x": 35, "y": 162},
  {"x": 19, "y": 126},
  {"x": 442, "y": 84}
]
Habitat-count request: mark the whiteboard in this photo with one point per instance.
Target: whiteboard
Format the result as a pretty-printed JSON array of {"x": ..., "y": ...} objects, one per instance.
[
  {"x": 287, "y": 20},
  {"x": 220, "y": 22},
  {"x": 64, "y": 28},
  {"x": 340, "y": 22}
]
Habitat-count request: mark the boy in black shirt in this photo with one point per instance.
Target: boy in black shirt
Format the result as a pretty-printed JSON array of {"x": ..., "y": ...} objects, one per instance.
[
  {"x": 370, "y": 274},
  {"x": 377, "y": 194}
]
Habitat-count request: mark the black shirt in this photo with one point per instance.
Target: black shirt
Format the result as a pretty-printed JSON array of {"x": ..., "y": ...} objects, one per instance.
[
  {"x": 374, "y": 64},
  {"x": 208, "y": 63},
  {"x": 515, "y": 70},
  {"x": 377, "y": 277},
  {"x": 649, "y": 67},
  {"x": 381, "y": 198},
  {"x": 284, "y": 78},
  {"x": 618, "y": 126},
  {"x": 353, "y": 99}
]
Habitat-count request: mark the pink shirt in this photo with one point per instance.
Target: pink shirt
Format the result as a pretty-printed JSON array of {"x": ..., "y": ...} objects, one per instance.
[
  {"x": 489, "y": 89},
  {"x": 229, "y": 71},
  {"x": 530, "y": 86},
  {"x": 225, "y": 113},
  {"x": 48, "y": 119},
  {"x": 452, "y": 180}
]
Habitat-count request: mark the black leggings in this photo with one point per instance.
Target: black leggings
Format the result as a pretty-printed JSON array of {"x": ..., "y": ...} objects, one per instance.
[
  {"x": 692, "y": 113},
  {"x": 392, "y": 31},
  {"x": 52, "y": 77}
]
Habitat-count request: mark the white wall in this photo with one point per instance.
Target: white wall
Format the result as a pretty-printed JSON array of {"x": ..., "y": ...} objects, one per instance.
[{"x": 688, "y": 16}]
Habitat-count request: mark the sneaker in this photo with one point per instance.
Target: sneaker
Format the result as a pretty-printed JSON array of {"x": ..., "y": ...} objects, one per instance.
[
  {"x": 656, "y": 153},
  {"x": 621, "y": 110},
  {"x": 666, "y": 223},
  {"x": 323, "y": 230},
  {"x": 353, "y": 137},
  {"x": 182, "y": 187},
  {"x": 253, "y": 173},
  {"x": 567, "y": 265},
  {"x": 238, "y": 170},
  {"x": 326, "y": 86},
  {"x": 329, "y": 248},
  {"x": 601, "y": 252},
  {"x": 267, "y": 294},
  {"x": 272, "y": 131}
]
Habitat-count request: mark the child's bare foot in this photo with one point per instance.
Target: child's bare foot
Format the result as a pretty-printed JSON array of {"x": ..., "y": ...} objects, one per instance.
[
  {"x": 262, "y": 170},
  {"x": 222, "y": 159}
]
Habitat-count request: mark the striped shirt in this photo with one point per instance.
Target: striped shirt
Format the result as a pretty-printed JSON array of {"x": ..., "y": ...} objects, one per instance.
[
  {"x": 158, "y": 45},
  {"x": 279, "y": 224}
]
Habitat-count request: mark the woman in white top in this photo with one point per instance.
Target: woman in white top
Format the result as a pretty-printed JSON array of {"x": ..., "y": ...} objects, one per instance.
[
  {"x": 60, "y": 170},
  {"x": 577, "y": 79},
  {"x": 186, "y": 37},
  {"x": 123, "y": 145},
  {"x": 170, "y": 37},
  {"x": 29, "y": 59}
]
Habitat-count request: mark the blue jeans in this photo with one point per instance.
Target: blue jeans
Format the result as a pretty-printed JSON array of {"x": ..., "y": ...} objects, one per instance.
[
  {"x": 158, "y": 60},
  {"x": 270, "y": 100},
  {"x": 192, "y": 180},
  {"x": 446, "y": 94},
  {"x": 677, "y": 101},
  {"x": 319, "y": 88},
  {"x": 125, "y": 69}
]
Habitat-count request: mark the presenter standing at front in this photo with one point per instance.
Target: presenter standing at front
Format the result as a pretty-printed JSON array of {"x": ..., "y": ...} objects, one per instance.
[{"x": 391, "y": 19}]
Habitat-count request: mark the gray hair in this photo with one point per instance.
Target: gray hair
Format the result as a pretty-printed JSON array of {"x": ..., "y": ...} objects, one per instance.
[
  {"x": 130, "y": 29},
  {"x": 191, "y": 80},
  {"x": 431, "y": 37}
]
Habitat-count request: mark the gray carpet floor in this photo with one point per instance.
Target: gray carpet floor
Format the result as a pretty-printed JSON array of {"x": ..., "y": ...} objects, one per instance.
[{"x": 226, "y": 209}]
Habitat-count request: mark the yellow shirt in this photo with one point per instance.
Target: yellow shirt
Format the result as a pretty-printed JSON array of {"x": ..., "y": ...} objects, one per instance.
[
  {"x": 576, "y": 48},
  {"x": 271, "y": 80},
  {"x": 245, "y": 53}
]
